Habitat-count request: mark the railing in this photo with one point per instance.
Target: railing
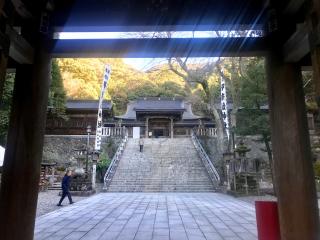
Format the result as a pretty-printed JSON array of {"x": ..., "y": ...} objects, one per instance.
[
  {"x": 114, "y": 163},
  {"x": 213, "y": 173},
  {"x": 209, "y": 132},
  {"x": 113, "y": 131}
]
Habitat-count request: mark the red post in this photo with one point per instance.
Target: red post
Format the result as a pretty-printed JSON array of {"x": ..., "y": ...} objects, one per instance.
[{"x": 267, "y": 220}]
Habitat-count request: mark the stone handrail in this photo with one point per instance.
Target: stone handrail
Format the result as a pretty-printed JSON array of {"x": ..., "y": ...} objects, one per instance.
[
  {"x": 209, "y": 132},
  {"x": 113, "y": 131},
  {"x": 114, "y": 163},
  {"x": 213, "y": 173}
]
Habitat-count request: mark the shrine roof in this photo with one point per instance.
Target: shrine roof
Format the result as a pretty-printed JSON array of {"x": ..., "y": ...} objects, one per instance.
[
  {"x": 87, "y": 105},
  {"x": 159, "y": 105}
]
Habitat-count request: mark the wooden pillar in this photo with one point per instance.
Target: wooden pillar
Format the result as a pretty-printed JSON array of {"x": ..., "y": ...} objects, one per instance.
[
  {"x": 293, "y": 171},
  {"x": 315, "y": 57},
  {"x": 171, "y": 127},
  {"x": 147, "y": 128},
  {"x": 3, "y": 62},
  {"x": 3, "y": 72},
  {"x": 314, "y": 35},
  {"x": 21, "y": 168}
]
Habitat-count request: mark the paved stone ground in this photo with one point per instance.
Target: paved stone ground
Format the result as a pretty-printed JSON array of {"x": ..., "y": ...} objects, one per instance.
[
  {"x": 47, "y": 201},
  {"x": 143, "y": 216}
]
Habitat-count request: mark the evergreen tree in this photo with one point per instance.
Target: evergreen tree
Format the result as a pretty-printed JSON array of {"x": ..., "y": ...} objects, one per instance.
[
  {"x": 253, "y": 119},
  {"x": 57, "y": 94},
  {"x": 56, "y": 102}
]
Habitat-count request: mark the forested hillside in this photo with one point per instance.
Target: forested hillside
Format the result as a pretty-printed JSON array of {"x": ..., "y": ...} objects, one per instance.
[{"x": 82, "y": 80}]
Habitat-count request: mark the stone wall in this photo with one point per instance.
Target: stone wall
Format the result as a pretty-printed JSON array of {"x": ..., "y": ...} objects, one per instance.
[
  {"x": 60, "y": 148},
  {"x": 253, "y": 142}
]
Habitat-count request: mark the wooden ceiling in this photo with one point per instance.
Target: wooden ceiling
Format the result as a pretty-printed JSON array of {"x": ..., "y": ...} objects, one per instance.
[
  {"x": 159, "y": 15},
  {"x": 286, "y": 19}
]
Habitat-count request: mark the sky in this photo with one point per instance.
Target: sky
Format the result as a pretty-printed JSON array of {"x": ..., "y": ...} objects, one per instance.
[{"x": 143, "y": 64}]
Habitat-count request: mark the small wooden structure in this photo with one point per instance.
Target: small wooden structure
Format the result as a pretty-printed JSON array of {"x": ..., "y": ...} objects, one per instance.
[
  {"x": 79, "y": 115},
  {"x": 46, "y": 170}
]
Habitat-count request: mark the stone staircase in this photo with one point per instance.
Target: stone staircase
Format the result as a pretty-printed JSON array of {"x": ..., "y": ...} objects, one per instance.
[
  {"x": 166, "y": 165},
  {"x": 55, "y": 186}
]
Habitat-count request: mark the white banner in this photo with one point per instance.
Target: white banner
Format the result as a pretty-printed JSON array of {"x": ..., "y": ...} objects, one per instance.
[
  {"x": 224, "y": 106},
  {"x": 104, "y": 86}
]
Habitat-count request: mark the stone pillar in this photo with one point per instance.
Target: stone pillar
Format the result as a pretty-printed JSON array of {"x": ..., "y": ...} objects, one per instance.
[
  {"x": 171, "y": 127},
  {"x": 94, "y": 173},
  {"x": 293, "y": 171},
  {"x": 21, "y": 168},
  {"x": 147, "y": 128}
]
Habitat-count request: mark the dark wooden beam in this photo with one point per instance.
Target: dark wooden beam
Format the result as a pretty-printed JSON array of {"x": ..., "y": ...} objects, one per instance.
[
  {"x": 20, "y": 50},
  {"x": 23, "y": 8},
  {"x": 293, "y": 6},
  {"x": 159, "y": 28},
  {"x": 293, "y": 168},
  {"x": 145, "y": 13},
  {"x": 314, "y": 41},
  {"x": 297, "y": 47},
  {"x": 160, "y": 47}
]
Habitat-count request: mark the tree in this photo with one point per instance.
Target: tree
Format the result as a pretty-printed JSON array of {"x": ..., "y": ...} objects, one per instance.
[
  {"x": 82, "y": 80},
  {"x": 253, "y": 99},
  {"x": 56, "y": 101},
  {"x": 57, "y": 94},
  {"x": 202, "y": 75}
]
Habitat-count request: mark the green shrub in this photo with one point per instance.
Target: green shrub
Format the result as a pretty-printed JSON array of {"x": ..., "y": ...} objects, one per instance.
[
  {"x": 102, "y": 166},
  {"x": 317, "y": 168}
]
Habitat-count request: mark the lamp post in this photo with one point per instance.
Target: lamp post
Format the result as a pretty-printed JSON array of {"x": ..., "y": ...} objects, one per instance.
[{"x": 88, "y": 146}]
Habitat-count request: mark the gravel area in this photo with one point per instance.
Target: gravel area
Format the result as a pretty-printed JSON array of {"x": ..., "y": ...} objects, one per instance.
[
  {"x": 252, "y": 199},
  {"x": 47, "y": 201}
]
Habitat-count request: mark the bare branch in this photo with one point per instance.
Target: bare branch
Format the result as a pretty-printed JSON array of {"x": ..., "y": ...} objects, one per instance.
[
  {"x": 173, "y": 69},
  {"x": 183, "y": 64}
]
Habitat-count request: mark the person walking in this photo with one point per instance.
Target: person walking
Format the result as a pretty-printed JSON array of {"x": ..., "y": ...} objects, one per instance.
[
  {"x": 141, "y": 144},
  {"x": 65, "y": 188}
]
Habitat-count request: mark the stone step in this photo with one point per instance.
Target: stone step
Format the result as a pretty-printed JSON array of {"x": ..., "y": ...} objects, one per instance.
[
  {"x": 161, "y": 190},
  {"x": 54, "y": 188},
  {"x": 162, "y": 187},
  {"x": 160, "y": 181},
  {"x": 181, "y": 181},
  {"x": 165, "y": 165}
]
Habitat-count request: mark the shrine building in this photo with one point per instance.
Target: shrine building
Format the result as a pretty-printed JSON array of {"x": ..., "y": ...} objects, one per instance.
[{"x": 161, "y": 117}]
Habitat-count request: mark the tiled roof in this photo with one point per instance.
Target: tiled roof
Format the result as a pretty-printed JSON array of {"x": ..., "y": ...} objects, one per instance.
[
  {"x": 159, "y": 105},
  {"x": 87, "y": 105}
]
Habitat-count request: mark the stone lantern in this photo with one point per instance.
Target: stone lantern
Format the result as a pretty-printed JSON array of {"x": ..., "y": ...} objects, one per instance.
[
  {"x": 227, "y": 158},
  {"x": 80, "y": 157},
  {"x": 242, "y": 150}
]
